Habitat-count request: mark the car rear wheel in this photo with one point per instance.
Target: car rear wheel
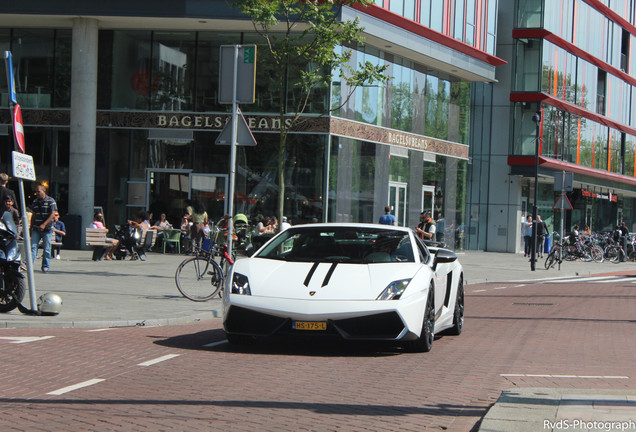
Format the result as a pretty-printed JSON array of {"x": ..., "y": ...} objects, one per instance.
[
  {"x": 424, "y": 343},
  {"x": 458, "y": 315}
]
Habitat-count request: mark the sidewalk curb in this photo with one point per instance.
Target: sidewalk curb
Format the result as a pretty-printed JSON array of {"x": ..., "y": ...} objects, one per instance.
[{"x": 40, "y": 323}]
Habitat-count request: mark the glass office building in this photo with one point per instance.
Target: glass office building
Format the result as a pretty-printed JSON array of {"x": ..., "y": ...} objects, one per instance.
[
  {"x": 571, "y": 62},
  {"x": 121, "y": 111}
]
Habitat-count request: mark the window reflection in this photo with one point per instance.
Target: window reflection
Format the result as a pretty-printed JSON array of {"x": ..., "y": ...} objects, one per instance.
[{"x": 173, "y": 70}]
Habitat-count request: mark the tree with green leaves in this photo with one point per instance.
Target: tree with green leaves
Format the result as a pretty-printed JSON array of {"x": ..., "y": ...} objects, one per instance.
[{"x": 304, "y": 41}]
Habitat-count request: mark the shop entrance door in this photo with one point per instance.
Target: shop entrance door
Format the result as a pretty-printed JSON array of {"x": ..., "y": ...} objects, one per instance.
[
  {"x": 169, "y": 189},
  {"x": 428, "y": 199},
  {"x": 397, "y": 201},
  {"x": 167, "y": 192}
]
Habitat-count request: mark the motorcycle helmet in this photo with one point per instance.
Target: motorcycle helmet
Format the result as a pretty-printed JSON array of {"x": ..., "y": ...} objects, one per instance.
[{"x": 50, "y": 304}]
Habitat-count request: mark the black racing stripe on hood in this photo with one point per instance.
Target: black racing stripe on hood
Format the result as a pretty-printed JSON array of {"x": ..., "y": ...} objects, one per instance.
[
  {"x": 329, "y": 273},
  {"x": 310, "y": 274}
]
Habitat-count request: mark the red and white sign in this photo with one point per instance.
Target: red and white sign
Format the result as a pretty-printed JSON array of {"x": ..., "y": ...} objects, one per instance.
[
  {"x": 562, "y": 203},
  {"x": 18, "y": 129}
]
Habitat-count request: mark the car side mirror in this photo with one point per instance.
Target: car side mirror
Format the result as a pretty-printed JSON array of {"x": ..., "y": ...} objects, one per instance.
[
  {"x": 444, "y": 256},
  {"x": 249, "y": 250}
]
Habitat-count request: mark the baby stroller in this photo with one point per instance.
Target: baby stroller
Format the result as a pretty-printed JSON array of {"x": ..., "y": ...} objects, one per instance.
[
  {"x": 241, "y": 230},
  {"x": 129, "y": 243}
]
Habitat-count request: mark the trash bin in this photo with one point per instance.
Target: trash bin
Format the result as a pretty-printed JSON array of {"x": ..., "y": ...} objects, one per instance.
[
  {"x": 73, "y": 237},
  {"x": 546, "y": 247}
]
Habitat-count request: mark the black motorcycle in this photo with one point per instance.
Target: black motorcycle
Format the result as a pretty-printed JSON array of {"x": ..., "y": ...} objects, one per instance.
[{"x": 12, "y": 282}]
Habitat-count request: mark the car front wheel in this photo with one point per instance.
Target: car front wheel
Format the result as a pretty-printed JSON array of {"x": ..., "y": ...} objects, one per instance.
[{"x": 424, "y": 343}]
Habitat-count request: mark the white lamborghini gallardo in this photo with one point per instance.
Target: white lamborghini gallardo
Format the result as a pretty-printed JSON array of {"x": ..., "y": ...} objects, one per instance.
[{"x": 353, "y": 281}]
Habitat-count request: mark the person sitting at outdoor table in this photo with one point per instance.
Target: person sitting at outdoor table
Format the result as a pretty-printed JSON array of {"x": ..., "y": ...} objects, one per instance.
[
  {"x": 159, "y": 226},
  {"x": 98, "y": 222},
  {"x": 141, "y": 221}
]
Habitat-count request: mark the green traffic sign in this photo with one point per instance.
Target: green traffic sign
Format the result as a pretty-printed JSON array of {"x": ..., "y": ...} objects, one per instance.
[{"x": 248, "y": 54}]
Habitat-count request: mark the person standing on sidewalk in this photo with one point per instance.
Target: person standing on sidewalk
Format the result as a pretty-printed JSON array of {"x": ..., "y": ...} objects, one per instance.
[
  {"x": 387, "y": 218},
  {"x": 4, "y": 190},
  {"x": 527, "y": 236},
  {"x": 44, "y": 209},
  {"x": 542, "y": 230}
]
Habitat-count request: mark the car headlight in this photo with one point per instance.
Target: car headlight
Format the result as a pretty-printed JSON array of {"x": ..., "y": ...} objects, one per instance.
[
  {"x": 394, "y": 290},
  {"x": 240, "y": 284}
]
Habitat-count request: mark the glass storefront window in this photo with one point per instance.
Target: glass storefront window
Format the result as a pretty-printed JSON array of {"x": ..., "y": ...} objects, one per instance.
[
  {"x": 33, "y": 53},
  {"x": 406, "y": 8},
  {"x": 529, "y": 14},
  {"x": 601, "y": 147},
  {"x": 559, "y": 73},
  {"x": 524, "y": 130},
  {"x": 437, "y": 97},
  {"x": 615, "y": 162},
  {"x": 491, "y": 34},
  {"x": 131, "y": 76},
  {"x": 356, "y": 194},
  {"x": 351, "y": 190},
  {"x": 558, "y": 18},
  {"x": 587, "y": 142},
  {"x": 401, "y": 91},
  {"x": 459, "y": 20},
  {"x": 630, "y": 155},
  {"x": 437, "y": 14},
  {"x": 63, "y": 54},
  {"x": 469, "y": 36},
  {"x": 527, "y": 65},
  {"x": 586, "y": 78},
  {"x": 369, "y": 98},
  {"x": 173, "y": 70}
]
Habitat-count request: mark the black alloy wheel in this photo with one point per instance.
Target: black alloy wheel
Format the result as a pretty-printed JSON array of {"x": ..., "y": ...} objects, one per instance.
[
  {"x": 458, "y": 314},
  {"x": 424, "y": 343}
]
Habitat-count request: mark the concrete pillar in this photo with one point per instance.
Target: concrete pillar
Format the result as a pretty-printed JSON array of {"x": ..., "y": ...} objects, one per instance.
[{"x": 81, "y": 193}]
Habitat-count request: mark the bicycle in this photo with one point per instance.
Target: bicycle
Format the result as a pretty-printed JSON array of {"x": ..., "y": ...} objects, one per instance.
[
  {"x": 613, "y": 252},
  {"x": 200, "y": 278},
  {"x": 555, "y": 256}
]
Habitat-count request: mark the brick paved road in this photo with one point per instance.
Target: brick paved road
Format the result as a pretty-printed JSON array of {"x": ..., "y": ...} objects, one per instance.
[{"x": 535, "y": 335}]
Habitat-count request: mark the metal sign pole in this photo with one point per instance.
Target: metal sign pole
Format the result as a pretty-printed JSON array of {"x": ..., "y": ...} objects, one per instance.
[
  {"x": 230, "y": 223},
  {"x": 8, "y": 60},
  {"x": 27, "y": 247}
]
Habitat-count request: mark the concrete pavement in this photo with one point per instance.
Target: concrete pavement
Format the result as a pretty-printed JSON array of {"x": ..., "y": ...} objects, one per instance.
[{"x": 135, "y": 293}]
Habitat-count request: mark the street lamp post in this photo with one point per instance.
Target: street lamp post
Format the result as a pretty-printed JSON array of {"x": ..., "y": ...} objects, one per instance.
[{"x": 536, "y": 118}]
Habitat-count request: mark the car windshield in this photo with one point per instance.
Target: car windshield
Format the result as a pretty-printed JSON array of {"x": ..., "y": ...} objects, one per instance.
[{"x": 340, "y": 244}]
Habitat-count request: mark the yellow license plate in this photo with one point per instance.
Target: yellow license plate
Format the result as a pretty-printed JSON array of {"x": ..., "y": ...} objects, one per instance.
[{"x": 310, "y": 325}]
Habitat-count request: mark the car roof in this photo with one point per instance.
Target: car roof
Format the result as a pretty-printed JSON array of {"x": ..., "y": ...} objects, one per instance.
[{"x": 330, "y": 225}]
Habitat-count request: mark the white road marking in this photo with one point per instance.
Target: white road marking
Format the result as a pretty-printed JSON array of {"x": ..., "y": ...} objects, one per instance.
[
  {"x": 479, "y": 291},
  {"x": 158, "y": 360},
  {"x": 500, "y": 288},
  {"x": 101, "y": 329},
  {"x": 565, "y": 376},
  {"x": 76, "y": 386},
  {"x": 597, "y": 279},
  {"x": 213, "y": 344},
  {"x": 517, "y": 286},
  {"x": 25, "y": 339}
]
